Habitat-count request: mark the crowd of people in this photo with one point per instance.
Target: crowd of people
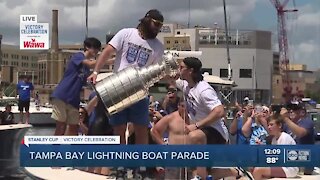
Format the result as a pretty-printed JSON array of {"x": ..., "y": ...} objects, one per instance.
[
  {"x": 262, "y": 125},
  {"x": 194, "y": 117}
]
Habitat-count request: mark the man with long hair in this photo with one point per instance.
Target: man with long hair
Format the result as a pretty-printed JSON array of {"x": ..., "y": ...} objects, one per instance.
[
  {"x": 205, "y": 112},
  {"x": 137, "y": 47}
]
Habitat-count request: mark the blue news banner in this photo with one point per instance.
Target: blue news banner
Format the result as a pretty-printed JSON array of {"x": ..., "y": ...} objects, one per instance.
[{"x": 38, "y": 155}]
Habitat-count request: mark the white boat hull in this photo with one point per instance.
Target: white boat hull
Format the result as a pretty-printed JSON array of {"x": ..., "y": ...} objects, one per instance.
[{"x": 38, "y": 116}]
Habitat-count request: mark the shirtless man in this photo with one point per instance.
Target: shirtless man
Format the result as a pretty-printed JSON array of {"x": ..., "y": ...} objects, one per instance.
[{"x": 174, "y": 123}]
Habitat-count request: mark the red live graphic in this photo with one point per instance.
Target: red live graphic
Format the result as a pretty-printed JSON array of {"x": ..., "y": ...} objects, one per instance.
[{"x": 33, "y": 44}]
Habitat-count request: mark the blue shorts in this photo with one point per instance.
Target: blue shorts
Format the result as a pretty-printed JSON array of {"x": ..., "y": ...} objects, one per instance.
[{"x": 137, "y": 113}]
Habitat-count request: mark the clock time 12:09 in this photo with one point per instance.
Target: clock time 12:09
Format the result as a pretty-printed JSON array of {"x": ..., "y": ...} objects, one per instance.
[{"x": 268, "y": 151}]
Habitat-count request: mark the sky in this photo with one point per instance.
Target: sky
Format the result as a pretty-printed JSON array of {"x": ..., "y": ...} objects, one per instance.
[{"x": 109, "y": 16}]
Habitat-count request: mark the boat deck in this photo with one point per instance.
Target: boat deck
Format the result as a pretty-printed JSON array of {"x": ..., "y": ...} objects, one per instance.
[
  {"x": 69, "y": 173},
  {"x": 49, "y": 173}
]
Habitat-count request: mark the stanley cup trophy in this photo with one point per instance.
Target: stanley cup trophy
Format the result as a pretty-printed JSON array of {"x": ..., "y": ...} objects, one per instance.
[{"x": 128, "y": 86}]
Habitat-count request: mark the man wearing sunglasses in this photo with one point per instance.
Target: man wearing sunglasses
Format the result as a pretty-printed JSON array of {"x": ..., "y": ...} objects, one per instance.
[
  {"x": 171, "y": 100},
  {"x": 137, "y": 47}
]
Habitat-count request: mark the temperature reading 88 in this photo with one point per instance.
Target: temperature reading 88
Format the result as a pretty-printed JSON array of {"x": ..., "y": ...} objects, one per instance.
[
  {"x": 272, "y": 151},
  {"x": 272, "y": 160}
]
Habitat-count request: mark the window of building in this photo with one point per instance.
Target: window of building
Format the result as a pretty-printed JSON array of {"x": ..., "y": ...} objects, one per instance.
[
  {"x": 245, "y": 73},
  {"x": 208, "y": 70},
  {"x": 224, "y": 73},
  {"x": 178, "y": 32},
  {"x": 277, "y": 81},
  {"x": 183, "y": 41},
  {"x": 168, "y": 42},
  {"x": 176, "y": 41}
]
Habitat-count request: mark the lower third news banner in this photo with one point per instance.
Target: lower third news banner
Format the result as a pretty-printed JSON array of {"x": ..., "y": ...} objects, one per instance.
[{"x": 86, "y": 151}]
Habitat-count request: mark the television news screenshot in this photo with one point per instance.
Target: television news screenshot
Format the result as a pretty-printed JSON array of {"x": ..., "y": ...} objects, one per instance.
[{"x": 160, "y": 90}]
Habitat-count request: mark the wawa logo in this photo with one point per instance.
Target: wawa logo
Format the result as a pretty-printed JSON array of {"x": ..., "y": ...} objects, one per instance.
[{"x": 33, "y": 44}]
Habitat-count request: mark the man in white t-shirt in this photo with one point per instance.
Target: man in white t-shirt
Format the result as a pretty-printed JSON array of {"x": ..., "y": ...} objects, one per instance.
[
  {"x": 203, "y": 105},
  {"x": 133, "y": 47},
  {"x": 205, "y": 112}
]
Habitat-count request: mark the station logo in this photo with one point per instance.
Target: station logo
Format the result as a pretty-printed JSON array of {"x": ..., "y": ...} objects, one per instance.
[
  {"x": 298, "y": 155},
  {"x": 33, "y": 35}
]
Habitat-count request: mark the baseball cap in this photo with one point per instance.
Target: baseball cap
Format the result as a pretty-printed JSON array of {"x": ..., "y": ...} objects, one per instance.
[
  {"x": 295, "y": 105},
  {"x": 155, "y": 14}
]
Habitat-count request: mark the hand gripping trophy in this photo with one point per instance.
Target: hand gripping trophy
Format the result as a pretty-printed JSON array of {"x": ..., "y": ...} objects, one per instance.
[{"x": 128, "y": 86}]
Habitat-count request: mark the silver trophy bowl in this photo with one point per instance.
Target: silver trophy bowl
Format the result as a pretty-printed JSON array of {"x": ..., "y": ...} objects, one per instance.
[{"x": 130, "y": 85}]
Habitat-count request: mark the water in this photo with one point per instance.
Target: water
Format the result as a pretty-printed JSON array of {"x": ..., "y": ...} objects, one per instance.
[{"x": 36, "y": 131}]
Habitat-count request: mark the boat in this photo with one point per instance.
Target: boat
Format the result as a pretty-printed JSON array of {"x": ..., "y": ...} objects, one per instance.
[
  {"x": 40, "y": 115},
  {"x": 69, "y": 172},
  {"x": 11, "y": 136}
]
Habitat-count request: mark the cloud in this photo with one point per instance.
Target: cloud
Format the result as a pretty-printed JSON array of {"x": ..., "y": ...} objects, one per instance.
[
  {"x": 112, "y": 15},
  {"x": 303, "y": 36},
  {"x": 307, "y": 53},
  {"x": 310, "y": 19},
  {"x": 115, "y": 14},
  {"x": 14, "y": 3}
]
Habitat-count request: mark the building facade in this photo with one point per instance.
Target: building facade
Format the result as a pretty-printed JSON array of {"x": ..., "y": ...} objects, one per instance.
[
  {"x": 297, "y": 67},
  {"x": 250, "y": 52},
  {"x": 52, "y": 66},
  {"x": 17, "y": 62}
]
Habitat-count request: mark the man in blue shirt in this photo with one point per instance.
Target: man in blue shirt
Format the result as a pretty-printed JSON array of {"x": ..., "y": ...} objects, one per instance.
[
  {"x": 24, "y": 91},
  {"x": 66, "y": 96},
  {"x": 238, "y": 122},
  {"x": 299, "y": 125}
]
